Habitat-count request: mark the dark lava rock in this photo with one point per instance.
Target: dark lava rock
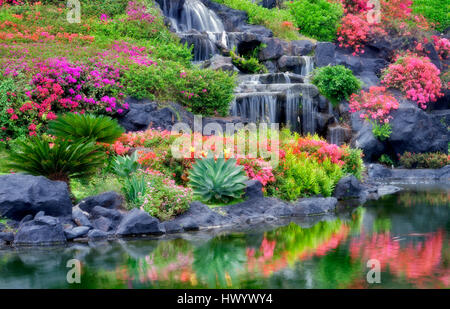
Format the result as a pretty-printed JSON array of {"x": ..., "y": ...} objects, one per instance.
[
  {"x": 7, "y": 236},
  {"x": 172, "y": 227},
  {"x": 22, "y": 195},
  {"x": 253, "y": 189},
  {"x": 112, "y": 214},
  {"x": 324, "y": 54},
  {"x": 257, "y": 207},
  {"x": 80, "y": 218},
  {"x": 378, "y": 171},
  {"x": 103, "y": 224},
  {"x": 138, "y": 222},
  {"x": 138, "y": 116},
  {"x": 365, "y": 140},
  {"x": 44, "y": 230},
  {"x": 76, "y": 232},
  {"x": 416, "y": 131},
  {"x": 314, "y": 206},
  {"x": 301, "y": 47},
  {"x": 199, "y": 215},
  {"x": 348, "y": 187},
  {"x": 111, "y": 200},
  {"x": 97, "y": 234},
  {"x": 219, "y": 63},
  {"x": 274, "y": 49}
]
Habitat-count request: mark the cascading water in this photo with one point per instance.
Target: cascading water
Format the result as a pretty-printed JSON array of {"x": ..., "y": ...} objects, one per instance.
[
  {"x": 197, "y": 25},
  {"x": 307, "y": 67},
  {"x": 308, "y": 113},
  {"x": 292, "y": 110}
]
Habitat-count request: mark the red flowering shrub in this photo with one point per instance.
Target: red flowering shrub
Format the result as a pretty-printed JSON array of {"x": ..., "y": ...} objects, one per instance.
[
  {"x": 375, "y": 105},
  {"x": 356, "y": 6},
  {"x": 353, "y": 32},
  {"x": 416, "y": 76}
]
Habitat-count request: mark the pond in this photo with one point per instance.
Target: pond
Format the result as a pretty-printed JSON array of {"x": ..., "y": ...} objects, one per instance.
[{"x": 408, "y": 233}]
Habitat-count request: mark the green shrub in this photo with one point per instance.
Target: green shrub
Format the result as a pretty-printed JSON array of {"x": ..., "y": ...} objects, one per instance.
[
  {"x": 336, "y": 83},
  {"x": 217, "y": 181},
  {"x": 280, "y": 21},
  {"x": 386, "y": 160},
  {"x": 134, "y": 189},
  {"x": 354, "y": 163},
  {"x": 381, "y": 131},
  {"x": 82, "y": 188},
  {"x": 436, "y": 11},
  {"x": 249, "y": 66},
  {"x": 58, "y": 160},
  {"x": 424, "y": 160},
  {"x": 102, "y": 129},
  {"x": 299, "y": 176},
  {"x": 318, "y": 19}
]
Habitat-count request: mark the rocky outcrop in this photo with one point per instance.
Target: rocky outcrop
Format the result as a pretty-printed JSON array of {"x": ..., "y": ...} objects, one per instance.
[
  {"x": 413, "y": 130},
  {"x": 379, "y": 172},
  {"x": 138, "y": 222},
  {"x": 348, "y": 187},
  {"x": 22, "y": 195},
  {"x": 110, "y": 200},
  {"x": 43, "y": 230}
]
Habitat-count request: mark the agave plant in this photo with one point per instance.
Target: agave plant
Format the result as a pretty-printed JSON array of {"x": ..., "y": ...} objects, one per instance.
[
  {"x": 124, "y": 166},
  {"x": 59, "y": 160},
  {"x": 72, "y": 126},
  {"x": 217, "y": 180}
]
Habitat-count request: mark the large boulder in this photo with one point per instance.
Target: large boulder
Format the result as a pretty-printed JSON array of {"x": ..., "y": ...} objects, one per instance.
[
  {"x": 314, "y": 206},
  {"x": 415, "y": 130},
  {"x": 253, "y": 189},
  {"x": 138, "y": 222},
  {"x": 44, "y": 230},
  {"x": 143, "y": 116},
  {"x": 110, "y": 200},
  {"x": 76, "y": 232},
  {"x": 22, "y": 195},
  {"x": 348, "y": 187},
  {"x": 199, "y": 215},
  {"x": 364, "y": 139},
  {"x": 274, "y": 49},
  {"x": 324, "y": 54},
  {"x": 220, "y": 63},
  {"x": 301, "y": 47}
]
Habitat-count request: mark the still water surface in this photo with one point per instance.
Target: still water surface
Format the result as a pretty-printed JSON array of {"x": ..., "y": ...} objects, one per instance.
[{"x": 407, "y": 232}]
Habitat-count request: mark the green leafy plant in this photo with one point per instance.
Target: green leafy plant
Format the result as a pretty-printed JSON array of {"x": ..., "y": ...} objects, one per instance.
[
  {"x": 250, "y": 65},
  {"x": 217, "y": 180},
  {"x": 436, "y": 11},
  {"x": 381, "y": 131},
  {"x": 354, "y": 163},
  {"x": 318, "y": 19},
  {"x": 102, "y": 129},
  {"x": 336, "y": 83},
  {"x": 56, "y": 160},
  {"x": 386, "y": 160},
  {"x": 125, "y": 166},
  {"x": 134, "y": 189}
]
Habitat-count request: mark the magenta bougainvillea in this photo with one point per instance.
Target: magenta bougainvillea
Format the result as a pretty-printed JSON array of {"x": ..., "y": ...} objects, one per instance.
[{"x": 416, "y": 76}]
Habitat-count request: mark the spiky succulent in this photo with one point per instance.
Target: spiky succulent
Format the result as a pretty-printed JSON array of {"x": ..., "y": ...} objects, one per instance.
[
  {"x": 71, "y": 126},
  {"x": 217, "y": 180}
]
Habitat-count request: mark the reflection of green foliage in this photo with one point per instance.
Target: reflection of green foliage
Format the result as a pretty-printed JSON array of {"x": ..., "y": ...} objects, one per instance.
[
  {"x": 357, "y": 219},
  {"x": 381, "y": 225},
  {"x": 294, "y": 240},
  {"x": 338, "y": 270},
  {"x": 220, "y": 258}
]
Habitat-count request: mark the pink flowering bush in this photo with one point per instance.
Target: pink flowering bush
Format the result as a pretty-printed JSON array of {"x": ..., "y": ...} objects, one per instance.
[
  {"x": 442, "y": 46},
  {"x": 163, "y": 198},
  {"x": 257, "y": 169},
  {"x": 375, "y": 105},
  {"x": 416, "y": 76}
]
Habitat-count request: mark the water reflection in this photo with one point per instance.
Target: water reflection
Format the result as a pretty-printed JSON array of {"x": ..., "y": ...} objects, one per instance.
[{"x": 407, "y": 232}]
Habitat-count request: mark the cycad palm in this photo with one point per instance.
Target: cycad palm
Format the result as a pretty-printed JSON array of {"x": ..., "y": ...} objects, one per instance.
[
  {"x": 62, "y": 161},
  {"x": 217, "y": 180},
  {"x": 101, "y": 128}
]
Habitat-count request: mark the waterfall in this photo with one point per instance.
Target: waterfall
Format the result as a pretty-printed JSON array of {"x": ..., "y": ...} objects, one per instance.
[
  {"x": 197, "y": 25},
  {"x": 292, "y": 110},
  {"x": 307, "y": 67},
  {"x": 308, "y": 113},
  {"x": 338, "y": 134},
  {"x": 259, "y": 107}
]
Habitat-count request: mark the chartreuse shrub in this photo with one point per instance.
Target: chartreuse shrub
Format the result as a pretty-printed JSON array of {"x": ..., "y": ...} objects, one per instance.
[
  {"x": 435, "y": 11},
  {"x": 57, "y": 159},
  {"x": 248, "y": 65},
  {"x": 299, "y": 175},
  {"x": 336, "y": 83},
  {"x": 217, "y": 181},
  {"x": 353, "y": 162},
  {"x": 318, "y": 19},
  {"x": 280, "y": 21},
  {"x": 102, "y": 129}
]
